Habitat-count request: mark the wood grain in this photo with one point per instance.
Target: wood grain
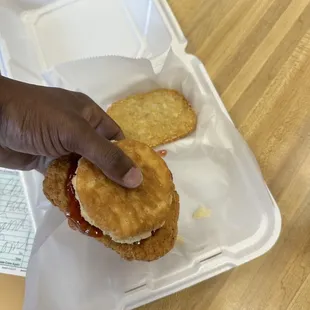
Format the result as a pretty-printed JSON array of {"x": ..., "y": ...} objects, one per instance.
[
  {"x": 258, "y": 55},
  {"x": 11, "y": 292}
]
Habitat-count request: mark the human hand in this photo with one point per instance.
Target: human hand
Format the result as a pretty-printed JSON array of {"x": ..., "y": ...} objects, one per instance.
[{"x": 38, "y": 124}]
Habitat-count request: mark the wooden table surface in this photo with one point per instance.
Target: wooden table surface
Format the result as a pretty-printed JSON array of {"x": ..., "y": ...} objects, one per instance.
[{"x": 258, "y": 55}]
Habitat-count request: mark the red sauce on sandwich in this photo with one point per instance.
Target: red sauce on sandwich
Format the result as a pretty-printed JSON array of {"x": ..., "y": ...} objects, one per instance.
[
  {"x": 162, "y": 153},
  {"x": 73, "y": 211}
]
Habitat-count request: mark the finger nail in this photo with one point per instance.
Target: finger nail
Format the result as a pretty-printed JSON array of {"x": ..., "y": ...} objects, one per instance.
[{"x": 133, "y": 178}]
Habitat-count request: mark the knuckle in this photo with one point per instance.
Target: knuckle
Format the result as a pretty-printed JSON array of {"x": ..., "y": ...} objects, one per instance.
[
  {"x": 114, "y": 158},
  {"x": 90, "y": 114},
  {"x": 70, "y": 133},
  {"x": 86, "y": 100},
  {"x": 82, "y": 96}
]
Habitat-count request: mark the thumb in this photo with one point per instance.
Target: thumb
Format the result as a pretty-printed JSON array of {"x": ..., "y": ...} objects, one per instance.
[{"x": 105, "y": 155}]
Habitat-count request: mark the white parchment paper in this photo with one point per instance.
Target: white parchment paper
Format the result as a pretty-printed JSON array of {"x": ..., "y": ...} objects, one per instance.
[{"x": 212, "y": 168}]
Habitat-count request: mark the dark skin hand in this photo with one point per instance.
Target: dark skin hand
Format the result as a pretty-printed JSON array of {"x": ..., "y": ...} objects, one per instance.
[{"x": 38, "y": 124}]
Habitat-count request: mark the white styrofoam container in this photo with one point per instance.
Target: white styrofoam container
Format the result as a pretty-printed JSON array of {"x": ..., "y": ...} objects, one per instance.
[{"x": 55, "y": 32}]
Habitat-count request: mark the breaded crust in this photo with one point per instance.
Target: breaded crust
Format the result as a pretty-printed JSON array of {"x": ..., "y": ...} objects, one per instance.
[
  {"x": 54, "y": 183},
  {"x": 149, "y": 249},
  {"x": 123, "y": 212},
  {"x": 154, "y": 247},
  {"x": 154, "y": 118}
]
